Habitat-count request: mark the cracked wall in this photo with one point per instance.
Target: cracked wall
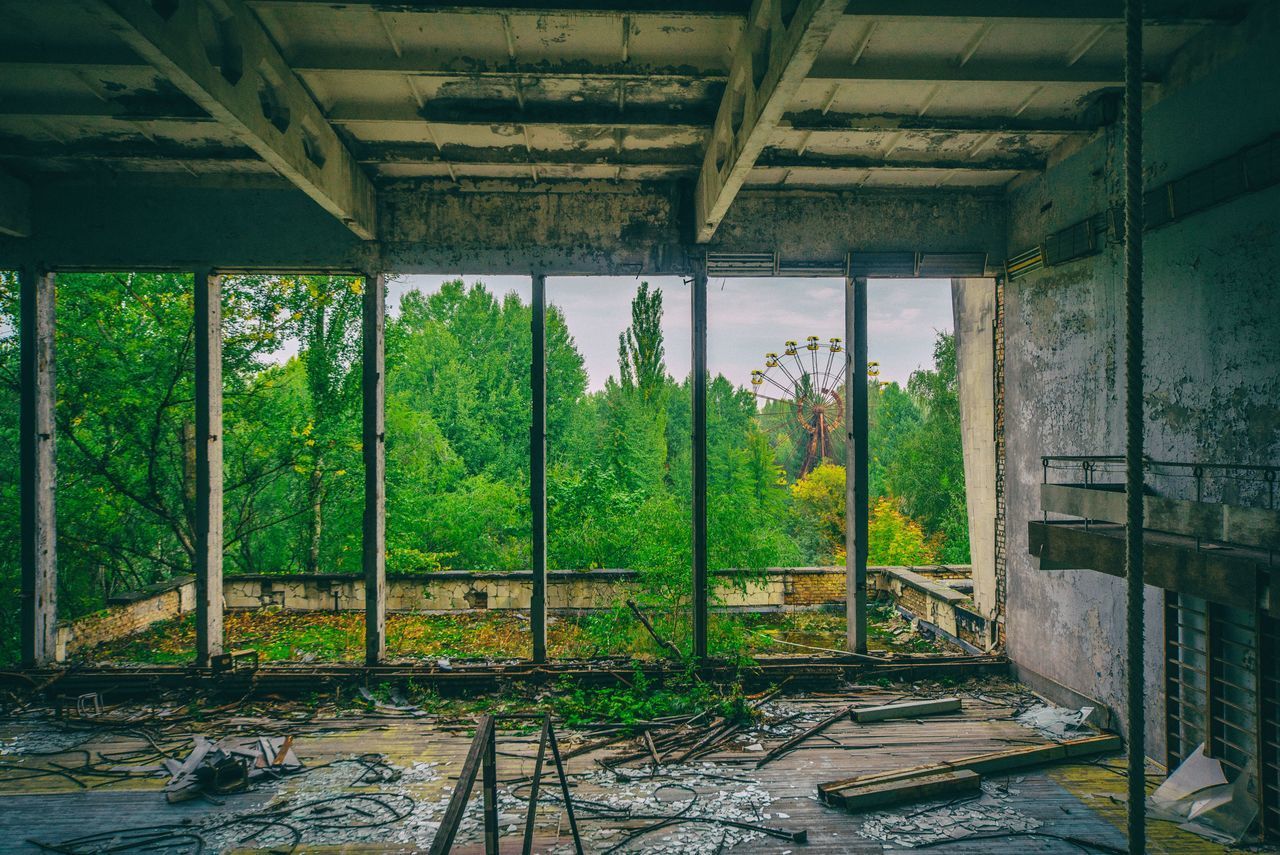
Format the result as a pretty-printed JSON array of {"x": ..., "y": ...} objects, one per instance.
[{"x": 1212, "y": 333}]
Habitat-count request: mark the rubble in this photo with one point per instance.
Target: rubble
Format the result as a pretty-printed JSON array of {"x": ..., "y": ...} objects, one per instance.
[{"x": 229, "y": 765}]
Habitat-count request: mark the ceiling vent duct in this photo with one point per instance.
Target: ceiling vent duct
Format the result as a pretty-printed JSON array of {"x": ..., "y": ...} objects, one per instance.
[
  {"x": 835, "y": 267},
  {"x": 1023, "y": 263},
  {"x": 741, "y": 264},
  {"x": 934, "y": 265},
  {"x": 890, "y": 265}
]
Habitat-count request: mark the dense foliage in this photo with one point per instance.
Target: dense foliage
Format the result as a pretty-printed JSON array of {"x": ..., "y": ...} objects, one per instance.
[{"x": 458, "y": 405}]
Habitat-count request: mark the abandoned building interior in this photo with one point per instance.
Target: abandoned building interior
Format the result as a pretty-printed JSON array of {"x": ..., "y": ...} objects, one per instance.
[{"x": 1098, "y": 181}]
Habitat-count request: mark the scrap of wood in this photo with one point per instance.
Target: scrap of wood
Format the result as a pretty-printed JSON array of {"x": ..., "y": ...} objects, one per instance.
[
  {"x": 882, "y": 794},
  {"x": 284, "y": 750},
  {"x": 777, "y": 752},
  {"x": 910, "y": 709},
  {"x": 644, "y": 621},
  {"x": 832, "y": 793}
]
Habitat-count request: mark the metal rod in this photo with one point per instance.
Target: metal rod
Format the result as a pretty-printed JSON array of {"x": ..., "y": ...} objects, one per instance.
[
  {"x": 208, "y": 522},
  {"x": 37, "y": 467},
  {"x": 564, "y": 787},
  {"x": 489, "y": 785},
  {"x": 856, "y": 468},
  {"x": 699, "y": 439},
  {"x": 1133, "y": 227},
  {"x": 374, "y": 535},
  {"x": 530, "y": 818},
  {"x": 477, "y": 755},
  {"x": 538, "y": 469}
]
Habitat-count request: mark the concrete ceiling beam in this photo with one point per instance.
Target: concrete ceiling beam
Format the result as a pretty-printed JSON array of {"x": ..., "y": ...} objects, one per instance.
[
  {"x": 770, "y": 63},
  {"x": 816, "y": 121},
  {"x": 830, "y": 71},
  {"x": 15, "y": 206},
  {"x": 252, "y": 92},
  {"x": 1155, "y": 12},
  {"x": 612, "y": 8}
]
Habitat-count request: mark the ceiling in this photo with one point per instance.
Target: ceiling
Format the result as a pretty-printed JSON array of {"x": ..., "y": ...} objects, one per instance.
[{"x": 907, "y": 94}]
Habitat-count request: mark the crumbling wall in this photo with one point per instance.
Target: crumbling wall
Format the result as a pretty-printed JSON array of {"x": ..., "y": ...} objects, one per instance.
[
  {"x": 127, "y": 614},
  {"x": 1212, "y": 333}
]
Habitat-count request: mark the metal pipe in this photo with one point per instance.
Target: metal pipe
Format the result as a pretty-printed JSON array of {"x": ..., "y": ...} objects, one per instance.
[
  {"x": 37, "y": 466},
  {"x": 208, "y": 522},
  {"x": 698, "y": 381},
  {"x": 1133, "y": 226},
  {"x": 374, "y": 437},
  {"x": 857, "y": 482},
  {"x": 538, "y": 467}
]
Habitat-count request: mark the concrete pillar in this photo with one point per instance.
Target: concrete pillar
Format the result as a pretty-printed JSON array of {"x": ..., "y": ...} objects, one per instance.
[
  {"x": 37, "y": 467},
  {"x": 538, "y": 468},
  {"x": 699, "y": 389},
  {"x": 373, "y": 394},
  {"x": 857, "y": 484},
  {"x": 973, "y": 303},
  {"x": 208, "y": 507}
]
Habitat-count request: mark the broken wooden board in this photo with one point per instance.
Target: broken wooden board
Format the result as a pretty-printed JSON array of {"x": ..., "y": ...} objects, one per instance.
[
  {"x": 883, "y": 794},
  {"x": 833, "y": 792},
  {"x": 910, "y": 709}
]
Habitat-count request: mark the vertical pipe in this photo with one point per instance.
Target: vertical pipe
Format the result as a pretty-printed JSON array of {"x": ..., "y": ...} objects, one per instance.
[
  {"x": 1133, "y": 227},
  {"x": 538, "y": 468},
  {"x": 374, "y": 437},
  {"x": 37, "y": 467},
  {"x": 698, "y": 383},
  {"x": 208, "y": 306},
  {"x": 856, "y": 462}
]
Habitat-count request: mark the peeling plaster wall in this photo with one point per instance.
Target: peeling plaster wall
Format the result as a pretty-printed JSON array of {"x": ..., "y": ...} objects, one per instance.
[
  {"x": 973, "y": 304},
  {"x": 1212, "y": 332}
]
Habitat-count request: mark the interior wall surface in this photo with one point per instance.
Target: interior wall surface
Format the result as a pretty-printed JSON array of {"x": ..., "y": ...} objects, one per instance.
[
  {"x": 257, "y": 222},
  {"x": 1212, "y": 336},
  {"x": 973, "y": 305}
]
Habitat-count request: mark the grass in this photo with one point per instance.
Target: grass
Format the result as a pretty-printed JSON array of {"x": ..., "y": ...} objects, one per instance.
[{"x": 280, "y": 635}]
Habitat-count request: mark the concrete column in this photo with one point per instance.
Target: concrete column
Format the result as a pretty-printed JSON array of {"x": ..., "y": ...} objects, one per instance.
[
  {"x": 973, "y": 303},
  {"x": 208, "y": 558},
  {"x": 374, "y": 541},
  {"x": 538, "y": 468},
  {"x": 856, "y": 476},
  {"x": 37, "y": 467},
  {"x": 699, "y": 389}
]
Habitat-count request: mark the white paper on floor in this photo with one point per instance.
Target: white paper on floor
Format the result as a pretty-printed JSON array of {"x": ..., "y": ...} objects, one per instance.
[{"x": 1202, "y": 800}]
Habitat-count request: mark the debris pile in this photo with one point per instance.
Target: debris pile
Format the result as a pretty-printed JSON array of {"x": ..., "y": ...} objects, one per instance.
[{"x": 229, "y": 765}]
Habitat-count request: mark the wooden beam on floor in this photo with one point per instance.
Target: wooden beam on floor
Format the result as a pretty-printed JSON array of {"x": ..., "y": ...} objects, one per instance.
[
  {"x": 771, "y": 61},
  {"x": 884, "y": 794},
  {"x": 910, "y": 709},
  {"x": 834, "y": 792},
  {"x": 252, "y": 91}
]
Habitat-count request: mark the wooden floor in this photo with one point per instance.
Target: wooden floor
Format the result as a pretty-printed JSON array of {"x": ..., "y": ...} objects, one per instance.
[{"x": 1082, "y": 801}]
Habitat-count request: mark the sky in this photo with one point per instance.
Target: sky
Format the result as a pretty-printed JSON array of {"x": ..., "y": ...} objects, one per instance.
[{"x": 746, "y": 318}]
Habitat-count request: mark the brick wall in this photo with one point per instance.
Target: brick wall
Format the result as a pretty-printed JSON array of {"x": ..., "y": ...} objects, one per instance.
[
  {"x": 816, "y": 588},
  {"x": 127, "y": 614}
]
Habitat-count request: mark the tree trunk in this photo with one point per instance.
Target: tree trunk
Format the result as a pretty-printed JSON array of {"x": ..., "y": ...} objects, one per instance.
[{"x": 317, "y": 516}]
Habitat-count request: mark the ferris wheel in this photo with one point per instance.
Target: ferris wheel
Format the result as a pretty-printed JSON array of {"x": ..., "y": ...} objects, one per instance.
[{"x": 809, "y": 380}]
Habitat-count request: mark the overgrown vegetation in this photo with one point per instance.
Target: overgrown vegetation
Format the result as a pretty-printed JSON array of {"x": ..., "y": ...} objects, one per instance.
[
  {"x": 339, "y": 636},
  {"x": 458, "y": 404}
]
